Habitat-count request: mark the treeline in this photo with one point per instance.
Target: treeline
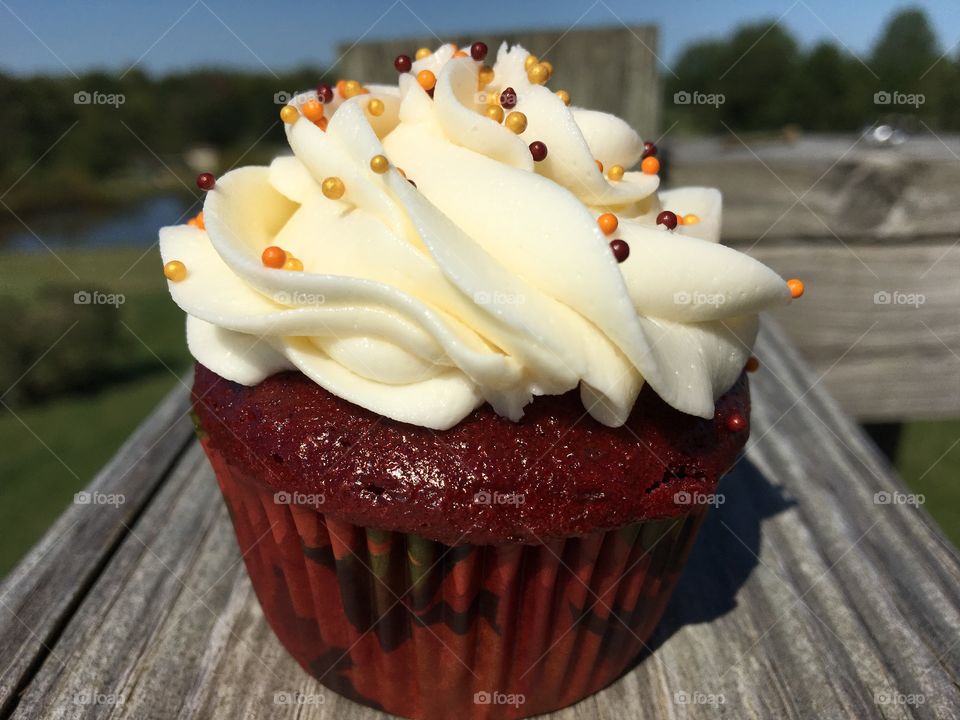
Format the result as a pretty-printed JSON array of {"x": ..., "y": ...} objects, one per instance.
[{"x": 761, "y": 79}]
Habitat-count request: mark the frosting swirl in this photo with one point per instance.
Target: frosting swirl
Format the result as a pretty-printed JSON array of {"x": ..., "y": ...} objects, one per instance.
[{"x": 490, "y": 281}]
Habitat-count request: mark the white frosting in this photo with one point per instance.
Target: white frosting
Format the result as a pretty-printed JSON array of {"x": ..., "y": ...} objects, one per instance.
[{"x": 488, "y": 282}]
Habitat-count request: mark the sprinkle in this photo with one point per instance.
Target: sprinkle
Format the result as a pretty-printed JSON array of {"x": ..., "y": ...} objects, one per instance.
[
  {"x": 312, "y": 110},
  {"x": 289, "y": 114},
  {"x": 679, "y": 219},
  {"x": 649, "y": 149},
  {"x": 599, "y": 165},
  {"x": 332, "y": 188},
  {"x": 796, "y": 287},
  {"x": 516, "y": 121},
  {"x": 375, "y": 107},
  {"x": 273, "y": 257},
  {"x": 427, "y": 79},
  {"x": 324, "y": 93},
  {"x": 197, "y": 222},
  {"x": 508, "y": 98},
  {"x": 621, "y": 251},
  {"x": 538, "y": 150},
  {"x": 351, "y": 88},
  {"x": 340, "y": 86},
  {"x": 175, "y": 271},
  {"x": 736, "y": 423},
  {"x": 752, "y": 364},
  {"x": 379, "y": 164},
  {"x": 650, "y": 165},
  {"x": 321, "y": 123},
  {"x": 494, "y": 112},
  {"x": 548, "y": 65},
  {"x": 691, "y": 219},
  {"x": 485, "y": 76},
  {"x": 402, "y": 63},
  {"x": 460, "y": 54},
  {"x": 530, "y": 61},
  {"x": 478, "y": 51},
  {"x": 538, "y": 74},
  {"x": 668, "y": 219},
  {"x": 615, "y": 172},
  {"x": 293, "y": 263},
  {"x": 564, "y": 95},
  {"x": 206, "y": 181},
  {"x": 412, "y": 182},
  {"x": 402, "y": 173},
  {"x": 422, "y": 53},
  {"x": 608, "y": 223}
]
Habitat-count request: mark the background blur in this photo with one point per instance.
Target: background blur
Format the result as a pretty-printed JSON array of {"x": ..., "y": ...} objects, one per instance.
[{"x": 109, "y": 110}]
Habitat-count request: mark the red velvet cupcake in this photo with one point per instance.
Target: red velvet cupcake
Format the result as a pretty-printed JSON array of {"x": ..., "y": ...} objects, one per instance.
[{"x": 468, "y": 416}]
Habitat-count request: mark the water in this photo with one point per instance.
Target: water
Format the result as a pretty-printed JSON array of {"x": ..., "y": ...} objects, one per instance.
[{"x": 133, "y": 225}]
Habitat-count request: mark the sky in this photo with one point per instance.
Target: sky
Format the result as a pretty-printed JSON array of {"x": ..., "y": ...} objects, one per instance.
[{"x": 71, "y": 36}]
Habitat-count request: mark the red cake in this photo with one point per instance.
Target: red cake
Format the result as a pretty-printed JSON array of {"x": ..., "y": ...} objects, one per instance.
[{"x": 467, "y": 382}]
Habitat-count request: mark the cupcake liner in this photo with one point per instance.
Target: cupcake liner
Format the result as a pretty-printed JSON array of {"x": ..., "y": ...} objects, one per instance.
[{"x": 427, "y": 630}]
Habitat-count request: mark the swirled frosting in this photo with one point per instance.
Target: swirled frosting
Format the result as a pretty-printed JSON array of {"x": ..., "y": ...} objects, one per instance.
[{"x": 487, "y": 281}]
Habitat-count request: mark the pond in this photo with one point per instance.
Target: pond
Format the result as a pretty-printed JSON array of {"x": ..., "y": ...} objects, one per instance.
[{"x": 131, "y": 225}]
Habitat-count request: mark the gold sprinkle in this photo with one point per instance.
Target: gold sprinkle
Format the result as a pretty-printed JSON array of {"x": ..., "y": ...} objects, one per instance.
[
  {"x": 333, "y": 188},
  {"x": 530, "y": 61},
  {"x": 495, "y": 113},
  {"x": 485, "y": 76},
  {"x": 375, "y": 107},
  {"x": 292, "y": 263},
  {"x": 564, "y": 95},
  {"x": 538, "y": 74},
  {"x": 615, "y": 172},
  {"x": 422, "y": 53},
  {"x": 516, "y": 121},
  {"x": 379, "y": 164},
  {"x": 289, "y": 114},
  {"x": 175, "y": 271}
]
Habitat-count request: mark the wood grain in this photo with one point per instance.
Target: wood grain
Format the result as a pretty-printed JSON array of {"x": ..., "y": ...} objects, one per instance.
[{"x": 804, "y": 597}]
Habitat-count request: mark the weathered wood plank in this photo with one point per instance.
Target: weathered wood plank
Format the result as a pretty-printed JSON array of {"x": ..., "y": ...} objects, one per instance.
[
  {"x": 803, "y": 598},
  {"x": 42, "y": 592},
  {"x": 631, "y": 81}
]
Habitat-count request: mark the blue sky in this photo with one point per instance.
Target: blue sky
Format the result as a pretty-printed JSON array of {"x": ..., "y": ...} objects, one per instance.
[{"x": 75, "y": 35}]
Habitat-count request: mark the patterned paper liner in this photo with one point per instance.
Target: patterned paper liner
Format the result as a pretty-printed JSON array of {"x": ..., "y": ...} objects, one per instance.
[{"x": 425, "y": 630}]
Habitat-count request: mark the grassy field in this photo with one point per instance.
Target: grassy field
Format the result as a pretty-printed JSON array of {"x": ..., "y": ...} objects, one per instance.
[{"x": 51, "y": 449}]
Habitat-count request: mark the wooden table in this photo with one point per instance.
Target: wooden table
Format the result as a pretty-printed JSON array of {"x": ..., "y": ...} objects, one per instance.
[{"x": 806, "y": 597}]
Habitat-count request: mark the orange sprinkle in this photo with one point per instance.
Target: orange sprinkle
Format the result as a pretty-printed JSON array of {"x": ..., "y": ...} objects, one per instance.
[
  {"x": 340, "y": 87},
  {"x": 599, "y": 165},
  {"x": 312, "y": 110},
  {"x": 680, "y": 219},
  {"x": 192, "y": 222},
  {"x": 752, "y": 364},
  {"x": 608, "y": 223},
  {"x": 321, "y": 123},
  {"x": 426, "y": 79},
  {"x": 796, "y": 287},
  {"x": 650, "y": 165},
  {"x": 460, "y": 53},
  {"x": 274, "y": 257},
  {"x": 200, "y": 223}
]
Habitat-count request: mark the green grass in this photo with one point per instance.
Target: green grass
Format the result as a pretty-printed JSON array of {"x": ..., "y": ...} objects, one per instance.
[{"x": 84, "y": 430}]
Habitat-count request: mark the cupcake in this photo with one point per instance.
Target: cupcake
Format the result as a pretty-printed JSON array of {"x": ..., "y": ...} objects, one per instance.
[{"x": 467, "y": 383}]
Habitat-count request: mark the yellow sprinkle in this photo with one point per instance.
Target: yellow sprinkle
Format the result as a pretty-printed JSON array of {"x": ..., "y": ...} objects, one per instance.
[
  {"x": 293, "y": 263},
  {"x": 691, "y": 219},
  {"x": 422, "y": 53},
  {"x": 175, "y": 271}
]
